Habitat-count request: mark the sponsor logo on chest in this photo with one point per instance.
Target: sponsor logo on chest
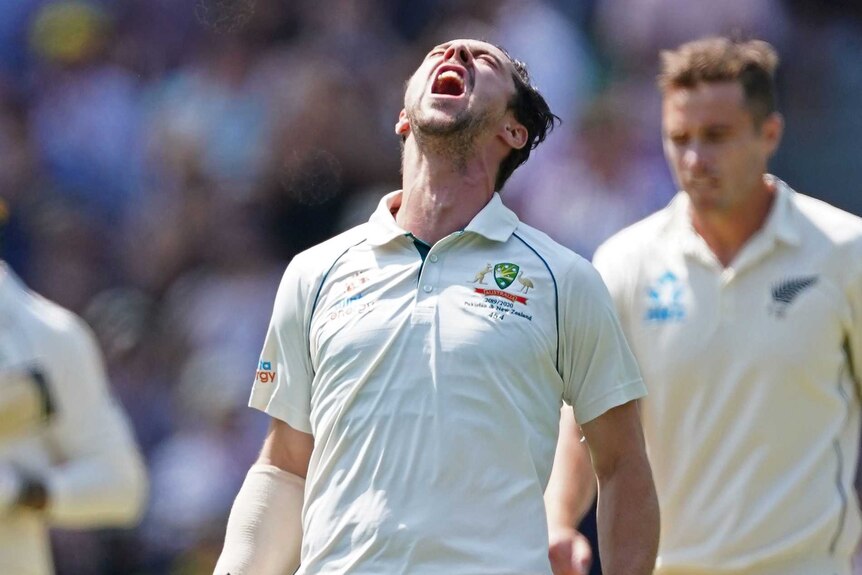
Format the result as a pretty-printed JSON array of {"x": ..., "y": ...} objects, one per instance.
[
  {"x": 665, "y": 299},
  {"x": 352, "y": 301},
  {"x": 511, "y": 288},
  {"x": 786, "y": 291}
]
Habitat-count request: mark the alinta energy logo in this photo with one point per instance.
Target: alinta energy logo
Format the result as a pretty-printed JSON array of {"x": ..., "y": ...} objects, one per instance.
[
  {"x": 265, "y": 373},
  {"x": 354, "y": 284},
  {"x": 351, "y": 298},
  {"x": 504, "y": 275}
]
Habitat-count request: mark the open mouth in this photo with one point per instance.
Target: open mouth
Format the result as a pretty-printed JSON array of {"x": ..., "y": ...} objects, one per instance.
[{"x": 449, "y": 82}]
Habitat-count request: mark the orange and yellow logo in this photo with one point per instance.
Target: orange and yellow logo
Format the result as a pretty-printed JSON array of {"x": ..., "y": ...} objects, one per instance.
[{"x": 265, "y": 373}]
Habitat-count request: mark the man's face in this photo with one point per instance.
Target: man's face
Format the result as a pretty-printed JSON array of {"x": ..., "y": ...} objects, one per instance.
[
  {"x": 716, "y": 153},
  {"x": 460, "y": 86}
]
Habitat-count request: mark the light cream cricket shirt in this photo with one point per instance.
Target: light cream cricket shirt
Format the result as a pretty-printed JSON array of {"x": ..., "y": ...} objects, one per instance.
[
  {"x": 433, "y": 391},
  {"x": 753, "y": 412},
  {"x": 64, "y": 428}
]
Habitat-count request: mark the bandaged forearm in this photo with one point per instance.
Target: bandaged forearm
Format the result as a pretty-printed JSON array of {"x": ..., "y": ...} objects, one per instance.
[{"x": 264, "y": 531}]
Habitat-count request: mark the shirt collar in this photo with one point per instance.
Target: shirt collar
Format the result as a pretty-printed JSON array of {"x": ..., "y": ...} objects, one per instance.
[
  {"x": 383, "y": 228},
  {"x": 495, "y": 221},
  {"x": 781, "y": 224}
]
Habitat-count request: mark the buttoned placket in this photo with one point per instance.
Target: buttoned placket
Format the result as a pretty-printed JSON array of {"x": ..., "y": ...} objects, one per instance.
[{"x": 428, "y": 287}]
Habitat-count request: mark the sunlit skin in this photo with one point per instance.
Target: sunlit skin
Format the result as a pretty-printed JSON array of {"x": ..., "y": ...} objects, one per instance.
[
  {"x": 487, "y": 74},
  {"x": 719, "y": 156},
  {"x": 454, "y": 143}
]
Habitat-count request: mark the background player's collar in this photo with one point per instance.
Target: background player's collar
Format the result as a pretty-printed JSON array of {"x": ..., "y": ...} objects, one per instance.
[
  {"x": 781, "y": 224},
  {"x": 782, "y": 220}
]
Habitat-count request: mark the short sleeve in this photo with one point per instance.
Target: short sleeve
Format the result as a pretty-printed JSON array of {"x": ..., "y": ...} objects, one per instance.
[
  {"x": 101, "y": 479},
  {"x": 598, "y": 368},
  {"x": 615, "y": 282},
  {"x": 854, "y": 333},
  {"x": 88, "y": 418},
  {"x": 282, "y": 383}
]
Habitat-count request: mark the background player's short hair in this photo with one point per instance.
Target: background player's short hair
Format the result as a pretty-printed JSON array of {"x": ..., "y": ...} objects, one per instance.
[{"x": 752, "y": 63}]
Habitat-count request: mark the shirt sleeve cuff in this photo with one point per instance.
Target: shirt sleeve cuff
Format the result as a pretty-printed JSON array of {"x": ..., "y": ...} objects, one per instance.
[{"x": 618, "y": 396}]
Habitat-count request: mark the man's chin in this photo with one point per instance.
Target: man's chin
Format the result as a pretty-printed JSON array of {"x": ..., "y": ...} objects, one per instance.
[
  {"x": 705, "y": 201},
  {"x": 441, "y": 125},
  {"x": 427, "y": 122}
]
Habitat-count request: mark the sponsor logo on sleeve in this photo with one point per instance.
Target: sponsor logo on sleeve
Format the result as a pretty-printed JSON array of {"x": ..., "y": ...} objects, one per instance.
[{"x": 265, "y": 373}]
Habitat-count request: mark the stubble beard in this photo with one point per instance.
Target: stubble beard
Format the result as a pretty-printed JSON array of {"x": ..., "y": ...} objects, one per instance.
[{"x": 452, "y": 139}]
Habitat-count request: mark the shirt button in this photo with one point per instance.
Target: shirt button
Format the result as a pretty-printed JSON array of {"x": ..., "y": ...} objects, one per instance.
[
  {"x": 427, "y": 289},
  {"x": 433, "y": 258}
]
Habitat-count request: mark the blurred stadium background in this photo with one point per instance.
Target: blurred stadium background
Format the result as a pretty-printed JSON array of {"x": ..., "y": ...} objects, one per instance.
[{"x": 162, "y": 160}]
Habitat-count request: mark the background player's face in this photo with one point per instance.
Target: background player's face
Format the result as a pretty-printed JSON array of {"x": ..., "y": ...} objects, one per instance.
[
  {"x": 460, "y": 85},
  {"x": 716, "y": 153}
]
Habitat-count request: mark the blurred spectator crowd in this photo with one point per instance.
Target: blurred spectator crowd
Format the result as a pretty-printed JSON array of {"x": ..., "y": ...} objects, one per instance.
[{"x": 163, "y": 160}]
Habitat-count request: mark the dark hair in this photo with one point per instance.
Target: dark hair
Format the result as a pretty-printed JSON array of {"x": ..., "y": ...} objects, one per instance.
[
  {"x": 752, "y": 63},
  {"x": 533, "y": 112}
]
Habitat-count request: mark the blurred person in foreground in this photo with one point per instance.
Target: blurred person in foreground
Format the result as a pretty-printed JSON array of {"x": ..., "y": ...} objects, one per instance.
[
  {"x": 415, "y": 395},
  {"x": 742, "y": 300},
  {"x": 68, "y": 458}
]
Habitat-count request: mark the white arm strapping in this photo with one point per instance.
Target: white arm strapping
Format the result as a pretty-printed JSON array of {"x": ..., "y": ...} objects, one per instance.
[{"x": 264, "y": 531}]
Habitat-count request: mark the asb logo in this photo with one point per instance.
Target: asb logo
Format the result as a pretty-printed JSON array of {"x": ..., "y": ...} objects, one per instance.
[
  {"x": 665, "y": 300},
  {"x": 265, "y": 373},
  {"x": 505, "y": 274}
]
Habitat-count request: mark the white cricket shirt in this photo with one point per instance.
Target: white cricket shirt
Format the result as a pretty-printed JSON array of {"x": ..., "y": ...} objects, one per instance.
[
  {"x": 80, "y": 444},
  {"x": 433, "y": 390},
  {"x": 752, "y": 418}
]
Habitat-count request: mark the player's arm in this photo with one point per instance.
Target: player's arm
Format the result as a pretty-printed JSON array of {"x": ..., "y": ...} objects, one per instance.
[
  {"x": 98, "y": 479},
  {"x": 264, "y": 530},
  {"x": 25, "y": 408},
  {"x": 569, "y": 495},
  {"x": 628, "y": 512}
]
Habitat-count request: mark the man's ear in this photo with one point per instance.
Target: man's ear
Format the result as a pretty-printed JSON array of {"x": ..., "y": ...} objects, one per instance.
[
  {"x": 402, "y": 126},
  {"x": 514, "y": 133},
  {"x": 772, "y": 129}
]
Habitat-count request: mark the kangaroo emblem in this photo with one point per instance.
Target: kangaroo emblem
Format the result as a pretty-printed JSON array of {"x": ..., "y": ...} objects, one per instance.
[
  {"x": 526, "y": 283},
  {"x": 480, "y": 275}
]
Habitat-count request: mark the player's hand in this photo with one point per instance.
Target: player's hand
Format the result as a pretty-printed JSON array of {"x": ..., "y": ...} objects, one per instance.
[
  {"x": 569, "y": 551},
  {"x": 10, "y": 488}
]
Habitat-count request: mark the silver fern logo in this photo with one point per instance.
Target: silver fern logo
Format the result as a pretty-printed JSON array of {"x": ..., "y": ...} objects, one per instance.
[{"x": 784, "y": 292}]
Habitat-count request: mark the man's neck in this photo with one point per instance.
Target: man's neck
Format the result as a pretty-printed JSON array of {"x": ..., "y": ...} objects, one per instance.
[
  {"x": 726, "y": 233},
  {"x": 441, "y": 194}
]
